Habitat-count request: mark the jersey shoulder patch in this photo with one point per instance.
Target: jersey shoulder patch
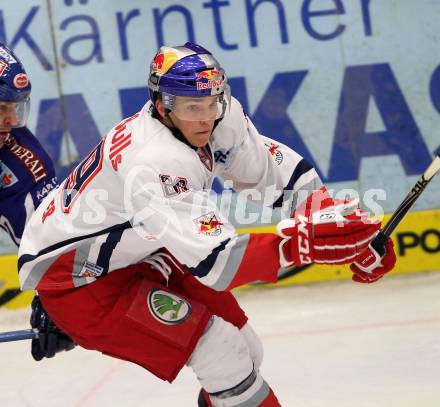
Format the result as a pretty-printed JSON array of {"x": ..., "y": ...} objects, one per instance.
[{"x": 7, "y": 177}]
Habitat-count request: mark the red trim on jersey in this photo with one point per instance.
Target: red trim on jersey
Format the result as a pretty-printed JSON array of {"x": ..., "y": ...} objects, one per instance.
[
  {"x": 59, "y": 274},
  {"x": 260, "y": 261}
]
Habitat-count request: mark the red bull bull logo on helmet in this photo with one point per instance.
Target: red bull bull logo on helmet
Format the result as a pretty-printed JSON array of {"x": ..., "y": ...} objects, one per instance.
[
  {"x": 208, "y": 74},
  {"x": 208, "y": 224},
  {"x": 211, "y": 78},
  {"x": 163, "y": 61}
]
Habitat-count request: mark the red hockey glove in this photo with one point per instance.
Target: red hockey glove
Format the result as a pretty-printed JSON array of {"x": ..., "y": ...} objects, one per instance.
[
  {"x": 378, "y": 259},
  {"x": 334, "y": 235}
]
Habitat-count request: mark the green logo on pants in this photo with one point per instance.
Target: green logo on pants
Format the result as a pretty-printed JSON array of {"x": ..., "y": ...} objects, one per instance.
[{"x": 168, "y": 308}]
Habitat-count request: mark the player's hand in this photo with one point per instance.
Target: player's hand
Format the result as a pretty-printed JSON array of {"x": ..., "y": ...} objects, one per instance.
[
  {"x": 337, "y": 234},
  {"x": 378, "y": 259},
  {"x": 51, "y": 339}
]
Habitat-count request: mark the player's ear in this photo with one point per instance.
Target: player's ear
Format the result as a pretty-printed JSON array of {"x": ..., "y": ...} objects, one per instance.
[{"x": 158, "y": 104}]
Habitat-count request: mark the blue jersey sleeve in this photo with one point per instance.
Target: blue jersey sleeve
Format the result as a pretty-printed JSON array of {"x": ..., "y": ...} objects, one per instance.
[{"x": 27, "y": 175}]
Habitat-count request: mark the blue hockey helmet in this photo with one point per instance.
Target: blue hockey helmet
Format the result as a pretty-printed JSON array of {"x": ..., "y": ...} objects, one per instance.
[
  {"x": 189, "y": 72},
  {"x": 15, "y": 89}
]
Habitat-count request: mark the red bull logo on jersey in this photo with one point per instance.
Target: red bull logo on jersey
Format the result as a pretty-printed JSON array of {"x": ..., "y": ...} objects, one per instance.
[
  {"x": 275, "y": 152},
  {"x": 208, "y": 224},
  {"x": 211, "y": 78}
]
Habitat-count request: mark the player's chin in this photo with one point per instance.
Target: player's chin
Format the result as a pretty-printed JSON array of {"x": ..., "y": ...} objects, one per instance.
[{"x": 201, "y": 138}]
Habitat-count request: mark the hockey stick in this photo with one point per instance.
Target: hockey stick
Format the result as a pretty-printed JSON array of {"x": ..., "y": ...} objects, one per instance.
[
  {"x": 377, "y": 246},
  {"x": 18, "y": 335}
]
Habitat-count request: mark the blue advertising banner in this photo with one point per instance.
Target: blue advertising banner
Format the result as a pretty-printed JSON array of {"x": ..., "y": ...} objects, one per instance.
[{"x": 352, "y": 85}]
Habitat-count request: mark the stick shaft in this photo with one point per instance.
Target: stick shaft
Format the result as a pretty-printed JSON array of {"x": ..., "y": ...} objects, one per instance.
[
  {"x": 18, "y": 335},
  {"x": 377, "y": 246},
  {"x": 412, "y": 197}
]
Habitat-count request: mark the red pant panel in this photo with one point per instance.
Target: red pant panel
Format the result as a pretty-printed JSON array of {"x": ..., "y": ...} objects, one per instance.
[{"x": 129, "y": 314}]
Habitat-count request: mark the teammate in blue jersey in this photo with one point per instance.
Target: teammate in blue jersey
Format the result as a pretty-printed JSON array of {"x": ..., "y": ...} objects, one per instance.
[{"x": 27, "y": 175}]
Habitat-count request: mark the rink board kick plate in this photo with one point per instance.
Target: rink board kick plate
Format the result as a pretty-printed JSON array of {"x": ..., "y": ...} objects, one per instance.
[
  {"x": 10, "y": 294},
  {"x": 416, "y": 240}
]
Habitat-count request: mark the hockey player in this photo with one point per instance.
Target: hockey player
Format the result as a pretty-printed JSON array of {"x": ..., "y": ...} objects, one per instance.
[
  {"x": 27, "y": 176},
  {"x": 132, "y": 257}
]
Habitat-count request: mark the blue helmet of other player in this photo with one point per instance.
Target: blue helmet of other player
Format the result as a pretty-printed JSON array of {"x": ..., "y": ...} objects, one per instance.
[
  {"x": 180, "y": 75},
  {"x": 15, "y": 89}
]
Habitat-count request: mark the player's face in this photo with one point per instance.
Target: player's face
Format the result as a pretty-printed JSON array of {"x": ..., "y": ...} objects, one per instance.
[
  {"x": 194, "y": 117},
  {"x": 8, "y": 116},
  {"x": 8, "y": 119},
  {"x": 196, "y": 132}
]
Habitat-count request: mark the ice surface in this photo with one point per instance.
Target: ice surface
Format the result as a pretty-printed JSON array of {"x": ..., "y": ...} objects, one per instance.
[{"x": 326, "y": 345}]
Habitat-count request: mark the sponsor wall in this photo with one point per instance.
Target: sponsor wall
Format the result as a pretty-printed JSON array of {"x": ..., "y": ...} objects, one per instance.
[{"x": 353, "y": 85}]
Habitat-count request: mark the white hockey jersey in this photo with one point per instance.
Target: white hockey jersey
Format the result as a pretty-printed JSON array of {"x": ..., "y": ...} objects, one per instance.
[{"x": 141, "y": 189}]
